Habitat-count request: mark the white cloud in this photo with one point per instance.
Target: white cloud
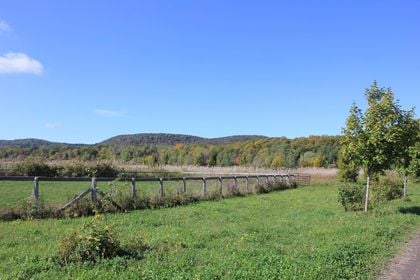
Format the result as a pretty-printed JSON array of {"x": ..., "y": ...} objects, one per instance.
[
  {"x": 19, "y": 63},
  {"x": 49, "y": 125},
  {"x": 109, "y": 113},
  {"x": 4, "y": 27}
]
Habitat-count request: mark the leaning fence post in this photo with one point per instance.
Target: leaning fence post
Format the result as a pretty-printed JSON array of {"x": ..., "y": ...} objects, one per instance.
[
  {"x": 36, "y": 191},
  {"x": 236, "y": 182},
  {"x": 220, "y": 185},
  {"x": 133, "y": 188},
  {"x": 204, "y": 186},
  {"x": 184, "y": 181},
  {"x": 93, "y": 190},
  {"x": 161, "y": 193}
]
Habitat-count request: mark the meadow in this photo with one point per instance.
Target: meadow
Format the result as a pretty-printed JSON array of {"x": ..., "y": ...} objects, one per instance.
[{"x": 302, "y": 233}]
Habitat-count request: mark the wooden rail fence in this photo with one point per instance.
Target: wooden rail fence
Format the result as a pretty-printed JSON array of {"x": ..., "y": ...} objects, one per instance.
[{"x": 288, "y": 179}]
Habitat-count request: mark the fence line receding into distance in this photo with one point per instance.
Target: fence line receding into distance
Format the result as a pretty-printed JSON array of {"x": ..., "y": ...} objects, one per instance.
[{"x": 264, "y": 179}]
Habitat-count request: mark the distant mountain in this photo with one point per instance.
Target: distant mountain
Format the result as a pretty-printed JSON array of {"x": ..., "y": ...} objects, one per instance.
[
  {"x": 134, "y": 139},
  {"x": 31, "y": 142},
  {"x": 172, "y": 139}
]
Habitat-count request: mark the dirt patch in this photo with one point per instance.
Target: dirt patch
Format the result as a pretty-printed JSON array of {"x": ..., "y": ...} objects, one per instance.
[{"x": 406, "y": 265}]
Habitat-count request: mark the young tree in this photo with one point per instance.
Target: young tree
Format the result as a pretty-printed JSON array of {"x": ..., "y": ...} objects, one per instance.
[
  {"x": 351, "y": 146},
  {"x": 370, "y": 139},
  {"x": 415, "y": 158},
  {"x": 407, "y": 137}
]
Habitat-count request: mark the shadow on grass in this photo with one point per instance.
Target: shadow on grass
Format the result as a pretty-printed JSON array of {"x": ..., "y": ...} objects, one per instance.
[{"x": 410, "y": 210}]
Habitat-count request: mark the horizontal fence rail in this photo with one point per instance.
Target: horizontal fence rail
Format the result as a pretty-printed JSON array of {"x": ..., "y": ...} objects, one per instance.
[
  {"x": 260, "y": 179},
  {"x": 303, "y": 178}
]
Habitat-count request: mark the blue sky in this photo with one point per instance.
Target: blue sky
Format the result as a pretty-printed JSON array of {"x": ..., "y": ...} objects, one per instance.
[{"x": 83, "y": 71}]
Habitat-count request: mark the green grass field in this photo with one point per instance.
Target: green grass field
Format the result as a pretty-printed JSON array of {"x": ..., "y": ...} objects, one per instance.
[{"x": 295, "y": 234}]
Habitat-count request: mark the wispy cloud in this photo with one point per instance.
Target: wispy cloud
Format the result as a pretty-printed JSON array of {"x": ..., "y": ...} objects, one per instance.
[
  {"x": 5, "y": 27},
  {"x": 11, "y": 63},
  {"x": 109, "y": 113},
  {"x": 50, "y": 125}
]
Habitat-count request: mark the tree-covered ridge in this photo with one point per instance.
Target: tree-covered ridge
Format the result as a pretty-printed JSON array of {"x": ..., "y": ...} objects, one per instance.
[
  {"x": 32, "y": 142},
  {"x": 173, "y": 139},
  {"x": 138, "y": 139},
  {"x": 314, "y": 151}
]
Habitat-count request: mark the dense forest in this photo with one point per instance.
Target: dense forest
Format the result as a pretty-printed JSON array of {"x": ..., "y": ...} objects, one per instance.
[
  {"x": 173, "y": 139},
  {"x": 312, "y": 151}
]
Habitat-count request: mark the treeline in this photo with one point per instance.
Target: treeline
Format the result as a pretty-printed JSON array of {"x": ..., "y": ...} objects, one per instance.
[{"x": 312, "y": 151}]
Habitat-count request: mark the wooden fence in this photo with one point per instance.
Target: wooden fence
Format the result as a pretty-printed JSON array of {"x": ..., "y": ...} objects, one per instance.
[
  {"x": 264, "y": 179},
  {"x": 303, "y": 179}
]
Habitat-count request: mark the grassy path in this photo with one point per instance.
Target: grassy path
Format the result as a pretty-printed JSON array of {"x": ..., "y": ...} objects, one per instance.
[{"x": 295, "y": 234}]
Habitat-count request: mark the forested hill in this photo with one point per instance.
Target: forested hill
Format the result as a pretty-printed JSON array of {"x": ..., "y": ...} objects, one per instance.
[
  {"x": 311, "y": 151},
  {"x": 32, "y": 143},
  {"x": 160, "y": 139},
  {"x": 166, "y": 139}
]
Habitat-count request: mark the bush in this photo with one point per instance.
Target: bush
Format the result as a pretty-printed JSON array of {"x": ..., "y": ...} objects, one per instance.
[
  {"x": 95, "y": 240},
  {"x": 73, "y": 170},
  {"x": 351, "y": 196},
  {"x": 26, "y": 210},
  {"x": 233, "y": 190},
  {"x": 277, "y": 185},
  {"x": 83, "y": 207},
  {"x": 33, "y": 168},
  {"x": 386, "y": 189},
  {"x": 102, "y": 170},
  {"x": 261, "y": 188}
]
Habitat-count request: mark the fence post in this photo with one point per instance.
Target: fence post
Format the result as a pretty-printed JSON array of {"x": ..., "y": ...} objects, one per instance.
[
  {"x": 133, "y": 188},
  {"x": 93, "y": 190},
  {"x": 247, "y": 184},
  {"x": 236, "y": 182},
  {"x": 266, "y": 181},
  {"x": 288, "y": 180},
  {"x": 184, "y": 190},
  {"x": 204, "y": 186},
  {"x": 258, "y": 183},
  {"x": 36, "y": 191},
  {"x": 161, "y": 193},
  {"x": 220, "y": 185}
]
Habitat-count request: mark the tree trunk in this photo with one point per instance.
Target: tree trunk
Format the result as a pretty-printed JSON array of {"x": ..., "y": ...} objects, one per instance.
[
  {"x": 367, "y": 193},
  {"x": 405, "y": 185}
]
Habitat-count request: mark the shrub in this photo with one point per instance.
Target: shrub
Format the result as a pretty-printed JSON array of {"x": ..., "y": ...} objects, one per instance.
[
  {"x": 351, "y": 196},
  {"x": 233, "y": 190},
  {"x": 386, "y": 189},
  {"x": 26, "y": 210},
  {"x": 73, "y": 170},
  {"x": 83, "y": 207},
  {"x": 33, "y": 168},
  {"x": 277, "y": 185},
  {"x": 95, "y": 240},
  {"x": 102, "y": 170}
]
